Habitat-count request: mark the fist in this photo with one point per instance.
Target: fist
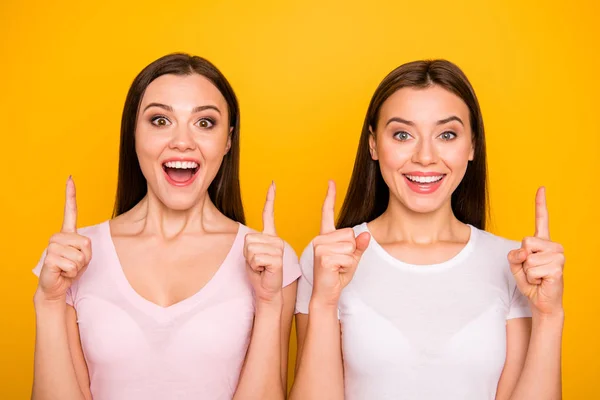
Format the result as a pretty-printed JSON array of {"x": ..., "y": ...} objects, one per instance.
[
  {"x": 264, "y": 257},
  {"x": 67, "y": 256},
  {"x": 538, "y": 265},
  {"x": 337, "y": 253}
]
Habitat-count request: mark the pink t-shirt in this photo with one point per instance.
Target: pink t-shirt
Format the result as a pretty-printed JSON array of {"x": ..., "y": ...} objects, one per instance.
[{"x": 136, "y": 349}]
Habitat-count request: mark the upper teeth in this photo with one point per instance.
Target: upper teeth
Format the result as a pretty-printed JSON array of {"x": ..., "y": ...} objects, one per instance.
[
  {"x": 181, "y": 164},
  {"x": 425, "y": 179}
]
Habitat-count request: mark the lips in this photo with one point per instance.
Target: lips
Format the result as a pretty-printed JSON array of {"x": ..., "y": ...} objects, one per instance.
[
  {"x": 180, "y": 172},
  {"x": 424, "y": 183}
]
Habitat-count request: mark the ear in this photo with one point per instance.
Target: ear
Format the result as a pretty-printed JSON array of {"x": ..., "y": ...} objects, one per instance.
[
  {"x": 228, "y": 145},
  {"x": 372, "y": 145}
]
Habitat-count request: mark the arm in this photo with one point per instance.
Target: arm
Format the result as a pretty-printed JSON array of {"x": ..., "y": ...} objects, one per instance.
[
  {"x": 518, "y": 333},
  {"x": 59, "y": 365},
  {"x": 289, "y": 302},
  {"x": 541, "y": 376},
  {"x": 320, "y": 370},
  {"x": 261, "y": 374},
  {"x": 301, "y": 329},
  {"x": 336, "y": 254},
  {"x": 538, "y": 271},
  {"x": 60, "y": 371}
]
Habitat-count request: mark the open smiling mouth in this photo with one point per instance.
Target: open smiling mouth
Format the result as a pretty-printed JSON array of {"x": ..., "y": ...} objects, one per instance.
[
  {"x": 424, "y": 184},
  {"x": 180, "y": 173}
]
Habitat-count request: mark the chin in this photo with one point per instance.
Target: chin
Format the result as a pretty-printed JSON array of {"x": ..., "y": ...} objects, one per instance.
[
  {"x": 180, "y": 205},
  {"x": 178, "y": 201},
  {"x": 422, "y": 207},
  {"x": 421, "y": 204}
]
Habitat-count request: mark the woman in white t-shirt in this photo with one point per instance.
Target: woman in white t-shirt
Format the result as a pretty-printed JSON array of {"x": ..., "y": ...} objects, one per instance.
[{"x": 430, "y": 306}]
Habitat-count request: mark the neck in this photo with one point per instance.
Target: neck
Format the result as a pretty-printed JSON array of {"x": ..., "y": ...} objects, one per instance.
[
  {"x": 158, "y": 219},
  {"x": 399, "y": 223}
]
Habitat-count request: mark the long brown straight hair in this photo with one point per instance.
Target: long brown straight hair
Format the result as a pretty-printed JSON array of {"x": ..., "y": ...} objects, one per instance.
[
  {"x": 368, "y": 195},
  {"x": 224, "y": 190}
]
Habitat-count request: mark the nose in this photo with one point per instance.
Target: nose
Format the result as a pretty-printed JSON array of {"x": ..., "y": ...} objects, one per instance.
[
  {"x": 425, "y": 152},
  {"x": 182, "y": 139}
]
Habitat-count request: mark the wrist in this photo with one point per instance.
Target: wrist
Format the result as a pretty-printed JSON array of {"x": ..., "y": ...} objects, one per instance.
[
  {"x": 322, "y": 307},
  {"x": 555, "y": 317},
  {"x": 271, "y": 305},
  {"x": 42, "y": 302}
]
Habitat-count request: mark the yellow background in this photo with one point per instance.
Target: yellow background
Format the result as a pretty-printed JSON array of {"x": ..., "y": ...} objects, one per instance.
[{"x": 304, "y": 73}]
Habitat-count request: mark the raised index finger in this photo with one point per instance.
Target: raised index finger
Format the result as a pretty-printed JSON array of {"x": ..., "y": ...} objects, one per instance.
[
  {"x": 70, "y": 216},
  {"x": 327, "y": 218},
  {"x": 542, "y": 229},
  {"x": 269, "y": 212}
]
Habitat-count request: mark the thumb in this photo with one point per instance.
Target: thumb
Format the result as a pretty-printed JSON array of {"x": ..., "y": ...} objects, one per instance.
[
  {"x": 516, "y": 258},
  {"x": 70, "y": 216},
  {"x": 362, "y": 242}
]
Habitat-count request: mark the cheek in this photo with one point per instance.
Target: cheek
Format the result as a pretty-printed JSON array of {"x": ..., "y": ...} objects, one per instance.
[
  {"x": 456, "y": 157},
  {"x": 393, "y": 155},
  {"x": 148, "y": 146},
  {"x": 212, "y": 147}
]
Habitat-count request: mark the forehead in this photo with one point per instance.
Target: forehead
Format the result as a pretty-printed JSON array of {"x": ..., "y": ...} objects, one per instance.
[
  {"x": 423, "y": 105},
  {"x": 183, "y": 91}
]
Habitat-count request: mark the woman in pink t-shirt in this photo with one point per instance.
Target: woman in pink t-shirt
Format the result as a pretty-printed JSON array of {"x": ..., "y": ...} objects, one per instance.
[{"x": 173, "y": 298}]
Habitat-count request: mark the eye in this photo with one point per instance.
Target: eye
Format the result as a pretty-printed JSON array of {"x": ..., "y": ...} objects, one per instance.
[
  {"x": 205, "y": 123},
  {"x": 447, "y": 136},
  {"x": 402, "y": 136},
  {"x": 160, "y": 120}
]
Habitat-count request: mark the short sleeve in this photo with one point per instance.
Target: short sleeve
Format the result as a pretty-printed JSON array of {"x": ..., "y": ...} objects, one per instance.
[
  {"x": 519, "y": 305},
  {"x": 305, "y": 284},
  {"x": 291, "y": 267},
  {"x": 38, "y": 270}
]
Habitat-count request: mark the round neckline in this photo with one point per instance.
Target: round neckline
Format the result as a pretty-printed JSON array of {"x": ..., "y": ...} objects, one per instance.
[
  {"x": 151, "y": 307},
  {"x": 457, "y": 258}
]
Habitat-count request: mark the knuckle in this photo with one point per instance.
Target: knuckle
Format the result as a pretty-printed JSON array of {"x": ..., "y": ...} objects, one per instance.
[
  {"x": 250, "y": 238},
  {"x": 86, "y": 242},
  {"x": 49, "y": 260},
  {"x": 325, "y": 260},
  {"x": 53, "y": 248},
  {"x": 55, "y": 238},
  {"x": 350, "y": 247},
  {"x": 80, "y": 258},
  {"x": 348, "y": 234},
  {"x": 528, "y": 241},
  {"x": 256, "y": 259},
  {"x": 318, "y": 250}
]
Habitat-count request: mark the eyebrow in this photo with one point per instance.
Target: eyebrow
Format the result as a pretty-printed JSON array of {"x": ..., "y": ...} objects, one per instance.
[
  {"x": 170, "y": 109},
  {"x": 410, "y": 123},
  {"x": 451, "y": 118},
  {"x": 208, "y": 107}
]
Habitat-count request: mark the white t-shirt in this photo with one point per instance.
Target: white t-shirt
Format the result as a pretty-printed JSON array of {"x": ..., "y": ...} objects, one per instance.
[{"x": 425, "y": 331}]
